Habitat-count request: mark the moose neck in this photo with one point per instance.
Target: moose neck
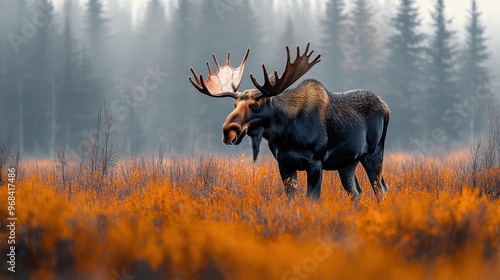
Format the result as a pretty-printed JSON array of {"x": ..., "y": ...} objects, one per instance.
[
  {"x": 309, "y": 100},
  {"x": 284, "y": 114},
  {"x": 284, "y": 109}
]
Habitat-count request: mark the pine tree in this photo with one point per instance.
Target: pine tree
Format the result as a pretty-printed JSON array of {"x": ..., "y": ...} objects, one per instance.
[
  {"x": 5, "y": 69},
  {"x": 151, "y": 45},
  {"x": 96, "y": 36},
  {"x": 362, "y": 47},
  {"x": 474, "y": 77},
  {"x": 96, "y": 29},
  {"x": 286, "y": 37},
  {"x": 441, "y": 93},
  {"x": 20, "y": 65},
  {"x": 177, "y": 132},
  {"x": 233, "y": 28},
  {"x": 333, "y": 58},
  {"x": 404, "y": 72},
  {"x": 72, "y": 108},
  {"x": 40, "y": 81},
  {"x": 151, "y": 32}
]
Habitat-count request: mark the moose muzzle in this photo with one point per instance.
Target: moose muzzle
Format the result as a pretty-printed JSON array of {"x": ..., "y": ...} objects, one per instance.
[
  {"x": 233, "y": 133},
  {"x": 235, "y": 127}
]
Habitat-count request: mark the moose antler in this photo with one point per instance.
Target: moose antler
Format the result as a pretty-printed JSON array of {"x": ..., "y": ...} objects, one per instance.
[
  {"x": 293, "y": 71},
  {"x": 224, "y": 82}
]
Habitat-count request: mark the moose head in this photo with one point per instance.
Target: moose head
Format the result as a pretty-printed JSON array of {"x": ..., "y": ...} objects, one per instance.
[{"x": 252, "y": 108}]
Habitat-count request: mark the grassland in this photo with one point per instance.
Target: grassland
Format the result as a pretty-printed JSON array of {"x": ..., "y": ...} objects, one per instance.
[{"x": 227, "y": 218}]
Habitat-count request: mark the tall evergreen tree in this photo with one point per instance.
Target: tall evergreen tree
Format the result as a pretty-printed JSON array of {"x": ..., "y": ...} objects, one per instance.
[
  {"x": 404, "y": 72},
  {"x": 96, "y": 36},
  {"x": 286, "y": 37},
  {"x": 5, "y": 68},
  {"x": 231, "y": 27},
  {"x": 20, "y": 74},
  {"x": 151, "y": 32},
  {"x": 72, "y": 110},
  {"x": 177, "y": 131},
  {"x": 362, "y": 47},
  {"x": 40, "y": 80},
  {"x": 441, "y": 92},
  {"x": 474, "y": 76},
  {"x": 333, "y": 58},
  {"x": 95, "y": 27},
  {"x": 150, "y": 44}
]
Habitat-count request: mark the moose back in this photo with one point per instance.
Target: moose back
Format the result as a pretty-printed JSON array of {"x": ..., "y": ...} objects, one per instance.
[{"x": 307, "y": 127}]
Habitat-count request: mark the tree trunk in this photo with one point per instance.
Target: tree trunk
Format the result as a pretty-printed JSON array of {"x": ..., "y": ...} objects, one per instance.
[
  {"x": 21, "y": 113},
  {"x": 53, "y": 116}
]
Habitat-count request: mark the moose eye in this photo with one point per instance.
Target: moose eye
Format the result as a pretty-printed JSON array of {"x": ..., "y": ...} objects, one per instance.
[{"x": 254, "y": 107}]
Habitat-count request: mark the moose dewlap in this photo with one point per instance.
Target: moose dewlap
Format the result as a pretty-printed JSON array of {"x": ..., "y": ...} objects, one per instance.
[{"x": 307, "y": 128}]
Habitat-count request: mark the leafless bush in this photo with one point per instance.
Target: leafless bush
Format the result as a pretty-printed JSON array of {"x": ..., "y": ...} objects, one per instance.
[
  {"x": 137, "y": 171},
  {"x": 207, "y": 172},
  {"x": 177, "y": 171},
  {"x": 492, "y": 152},
  {"x": 5, "y": 146},
  {"x": 200, "y": 174},
  {"x": 484, "y": 155},
  {"x": 63, "y": 162},
  {"x": 475, "y": 156},
  {"x": 485, "y": 150},
  {"x": 6, "y": 155},
  {"x": 134, "y": 173},
  {"x": 14, "y": 161},
  {"x": 100, "y": 149},
  {"x": 157, "y": 168}
]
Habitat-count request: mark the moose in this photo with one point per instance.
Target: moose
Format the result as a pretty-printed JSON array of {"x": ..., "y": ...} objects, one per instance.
[{"x": 307, "y": 128}]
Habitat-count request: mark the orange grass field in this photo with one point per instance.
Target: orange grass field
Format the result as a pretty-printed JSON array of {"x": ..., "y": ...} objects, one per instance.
[{"x": 228, "y": 218}]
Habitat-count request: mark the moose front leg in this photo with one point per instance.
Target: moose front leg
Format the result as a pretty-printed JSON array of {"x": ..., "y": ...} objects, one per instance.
[
  {"x": 314, "y": 178},
  {"x": 289, "y": 177}
]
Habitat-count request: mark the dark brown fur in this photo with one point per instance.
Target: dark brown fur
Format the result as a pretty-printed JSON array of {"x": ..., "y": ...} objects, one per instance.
[
  {"x": 304, "y": 98},
  {"x": 308, "y": 128}
]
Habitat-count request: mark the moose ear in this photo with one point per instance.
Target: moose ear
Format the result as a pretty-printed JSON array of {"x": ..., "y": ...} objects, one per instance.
[{"x": 256, "y": 136}]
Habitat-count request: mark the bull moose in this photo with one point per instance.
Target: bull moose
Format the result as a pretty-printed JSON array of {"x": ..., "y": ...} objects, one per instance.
[{"x": 307, "y": 127}]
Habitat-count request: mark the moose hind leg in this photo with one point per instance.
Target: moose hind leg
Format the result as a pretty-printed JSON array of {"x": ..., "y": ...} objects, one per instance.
[
  {"x": 289, "y": 177},
  {"x": 384, "y": 184},
  {"x": 372, "y": 163},
  {"x": 349, "y": 180}
]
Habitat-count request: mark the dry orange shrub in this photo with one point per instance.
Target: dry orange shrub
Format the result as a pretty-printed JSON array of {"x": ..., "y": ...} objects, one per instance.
[{"x": 228, "y": 218}]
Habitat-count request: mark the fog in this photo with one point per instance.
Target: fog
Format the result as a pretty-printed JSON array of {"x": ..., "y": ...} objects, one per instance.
[{"x": 60, "y": 61}]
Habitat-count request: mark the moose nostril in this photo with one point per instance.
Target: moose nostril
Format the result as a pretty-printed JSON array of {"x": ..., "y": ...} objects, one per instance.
[
  {"x": 230, "y": 137},
  {"x": 230, "y": 133}
]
